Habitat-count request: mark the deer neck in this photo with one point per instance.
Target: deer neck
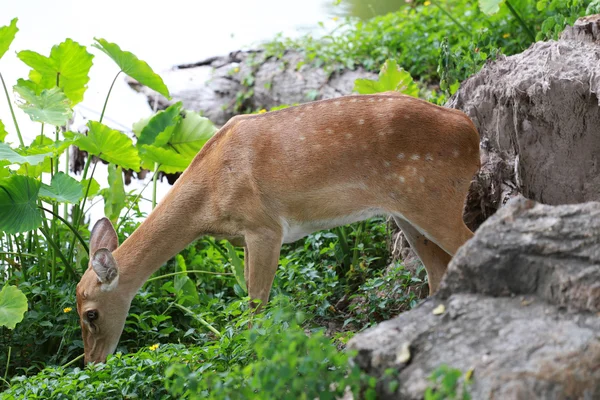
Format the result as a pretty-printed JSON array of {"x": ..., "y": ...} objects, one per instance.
[{"x": 170, "y": 227}]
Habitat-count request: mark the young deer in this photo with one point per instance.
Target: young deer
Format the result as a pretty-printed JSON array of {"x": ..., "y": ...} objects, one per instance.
[{"x": 273, "y": 178}]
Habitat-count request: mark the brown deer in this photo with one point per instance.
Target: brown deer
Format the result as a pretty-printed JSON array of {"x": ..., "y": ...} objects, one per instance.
[{"x": 273, "y": 178}]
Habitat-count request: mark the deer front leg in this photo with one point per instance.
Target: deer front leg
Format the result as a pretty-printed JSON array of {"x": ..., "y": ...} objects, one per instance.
[{"x": 261, "y": 260}]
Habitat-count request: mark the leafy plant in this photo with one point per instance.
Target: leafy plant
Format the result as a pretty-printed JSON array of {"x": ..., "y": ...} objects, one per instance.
[
  {"x": 447, "y": 384},
  {"x": 391, "y": 78},
  {"x": 13, "y": 305}
]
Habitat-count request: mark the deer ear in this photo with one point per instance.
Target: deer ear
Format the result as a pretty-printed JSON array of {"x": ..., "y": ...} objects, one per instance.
[
  {"x": 103, "y": 236},
  {"x": 105, "y": 267}
]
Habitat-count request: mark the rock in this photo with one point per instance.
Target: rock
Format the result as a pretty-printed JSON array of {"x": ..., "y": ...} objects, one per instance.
[
  {"x": 222, "y": 87},
  {"x": 538, "y": 116},
  {"x": 522, "y": 303}
]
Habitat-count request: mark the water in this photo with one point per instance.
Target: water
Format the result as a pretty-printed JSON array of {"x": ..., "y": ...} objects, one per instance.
[{"x": 161, "y": 33}]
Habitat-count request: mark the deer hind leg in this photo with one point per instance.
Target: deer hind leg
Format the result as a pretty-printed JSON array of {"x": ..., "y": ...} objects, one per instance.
[
  {"x": 261, "y": 260},
  {"x": 434, "y": 258}
]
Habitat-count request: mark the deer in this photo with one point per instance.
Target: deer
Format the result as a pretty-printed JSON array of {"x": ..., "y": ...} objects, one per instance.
[{"x": 267, "y": 179}]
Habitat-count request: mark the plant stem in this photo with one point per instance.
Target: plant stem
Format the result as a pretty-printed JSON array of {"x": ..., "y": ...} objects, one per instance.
[
  {"x": 7, "y": 363},
  {"x": 199, "y": 319},
  {"x": 68, "y": 266},
  {"x": 131, "y": 206},
  {"x": 521, "y": 21},
  {"x": 154, "y": 185},
  {"x": 12, "y": 112},
  {"x": 70, "y": 226},
  {"x": 108, "y": 95},
  {"x": 79, "y": 357},
  {"x": 189, "y": 272},
  {"x": 462, "y": 28}
]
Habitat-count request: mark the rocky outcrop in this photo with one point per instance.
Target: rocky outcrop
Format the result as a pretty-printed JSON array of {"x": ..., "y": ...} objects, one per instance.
[
  {"x": 538, "y": 116},
  {"x": 521, "y": 310},
  {"x": 221, "y": 87}
]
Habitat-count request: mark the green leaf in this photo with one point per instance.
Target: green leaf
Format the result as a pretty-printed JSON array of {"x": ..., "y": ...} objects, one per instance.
[
  {"x": 63, "y": 189},
  {"x": 190, "y": 135},
  {"x": 172, "y": 138},
  {"x": 187, "y": 293},
  {"x": 237, "y": 265},
  {"x": 490, "y": 7},
  {"x": 50, "y": 107},
  {"x": 7, "y": 35},
  {"x": 69, "y": 62},
  {"x": 169, "y": 160},
  {"x": 391, "y": 78},
  {"x": 8, "y": 154},
  {"x": 159, "y": 128},
  {"x": 114, "y": 196},
  {"x": 94, "y": 187},
  {"x": 18, "y": 204},
  {"x": 108, "y": 144},
  {"x": 3, "y": 132},
  {"x": 13, "y": 305},
  {"x": 132, "y": 66}
]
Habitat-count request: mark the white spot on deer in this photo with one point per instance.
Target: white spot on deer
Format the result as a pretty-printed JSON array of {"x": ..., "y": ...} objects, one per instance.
[
  {"x": 422, "y": 180},
  {"x": 402, "y": 179},
  {"x": 337, "y": 103},
  {"x": 309, "y": 107},
  {"x": 413, "y": 170},
  {"x": 456, "y": 153},
  {"x": 364, "y": 146},
  {"x": 387, "y": 164},
  {"x": 380, "y": 99},
  {"x": 317, "y": 146},
  {"x": 348, "y": 136},
  {"x": 382, "y": 133},
  {"x": 354, "y": 100},
  {"x": 391, "y": 99},
  {"x": 371, "y": 100},
  {"x": 302, "y": 138},
  {"x": 298, "y": 119},
  {"x": 400, "y": 156},
  {"x": 361, "y": 121},
  {"x": 389, "y": 177},
  {"x": 415, "y": 157},
  {"x": 428, "y": 157},
  {"x": 406, "y": 116},
  {"x": 329, "y": 131}
]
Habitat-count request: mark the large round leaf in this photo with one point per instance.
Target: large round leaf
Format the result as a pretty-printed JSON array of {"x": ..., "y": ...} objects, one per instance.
[
  {"x": 7, "y": 35},
  {"x": 159, "y": 128},
  {"x": 18, "y": 204},
  {"x": 8, "y": 154},
  {"x": 49, "y": 107},
  {"x": 108, "y": 144},
  {"x": 191, "y": 133},
  {"x": 133, "y": 66},
  {"x": 13, "y": 304},
  {"x": 63, "y": 189},
  {"x": 69, "y": 61},
  {"x": 169, "y": 160}
]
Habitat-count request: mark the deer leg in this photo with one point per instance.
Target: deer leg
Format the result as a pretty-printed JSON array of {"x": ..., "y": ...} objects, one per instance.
[
  {"x": 262, "y": 256},
  {"x": 434, "y": 258}
]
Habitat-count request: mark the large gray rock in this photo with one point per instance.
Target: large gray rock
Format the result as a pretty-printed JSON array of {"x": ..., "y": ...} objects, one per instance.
[
  {"x": 538, "y": 115},
  {"x": 216, "y": 86},
  {"x": 522, "y": 303}
]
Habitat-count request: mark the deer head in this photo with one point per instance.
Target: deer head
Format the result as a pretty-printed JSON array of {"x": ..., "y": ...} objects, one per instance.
[{"x": 101, "y": 307}]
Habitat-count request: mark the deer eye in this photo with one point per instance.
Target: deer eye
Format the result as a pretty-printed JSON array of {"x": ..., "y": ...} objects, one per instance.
[{"x": 91, "y": 315}]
